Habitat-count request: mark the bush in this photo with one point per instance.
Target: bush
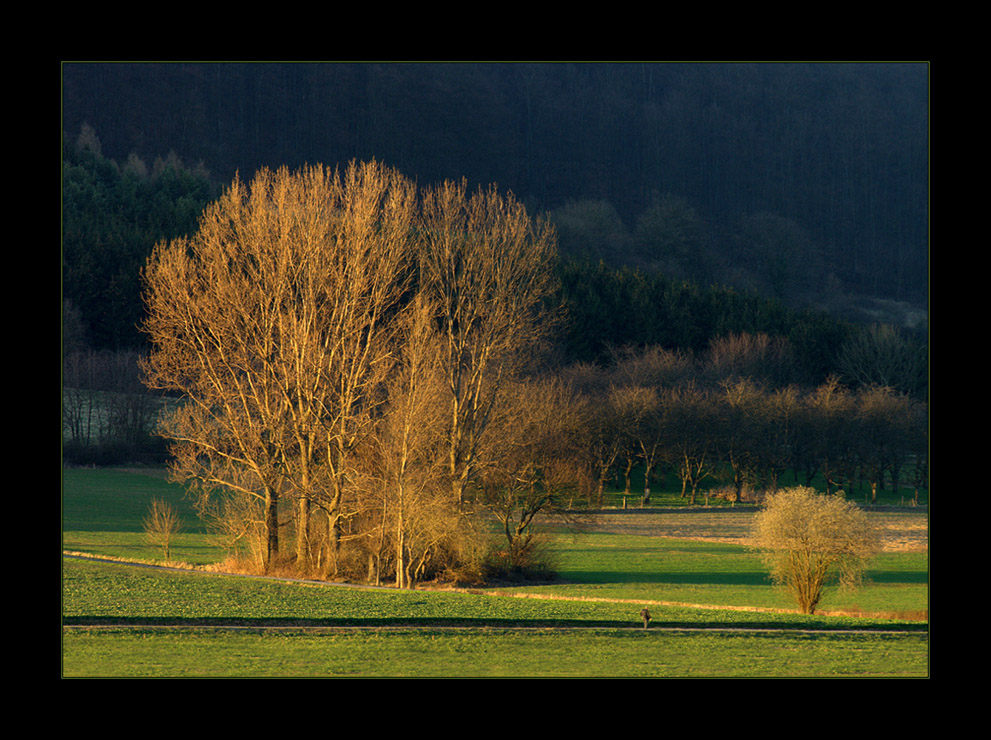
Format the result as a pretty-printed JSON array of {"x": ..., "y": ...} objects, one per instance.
[
  {"x": 534, "y": 562},
  {"x": 808, "y": 538}
]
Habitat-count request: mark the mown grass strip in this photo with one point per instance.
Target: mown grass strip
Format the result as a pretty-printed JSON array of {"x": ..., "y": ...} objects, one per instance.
[{"x": 490, "y": 653}]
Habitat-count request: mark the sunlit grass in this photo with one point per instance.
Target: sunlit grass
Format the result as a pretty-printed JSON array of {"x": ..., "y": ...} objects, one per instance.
[
  {"x": 103, "y": 512},
  {"x": 489, "y": 653},
  {"x": 223, "y": 626},
  {"x": 178, "y": 623},
  {"x": 712, "y": 573}
]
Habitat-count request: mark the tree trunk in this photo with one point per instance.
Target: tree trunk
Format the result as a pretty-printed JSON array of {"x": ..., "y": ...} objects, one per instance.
[
  {"x": 400, "y": 551},
  {"x": 334, "y": 541},
  {"x": 303, "y": 535},
  {"x": 271, "y": 528},
  {"x": 738, "y": 485}
]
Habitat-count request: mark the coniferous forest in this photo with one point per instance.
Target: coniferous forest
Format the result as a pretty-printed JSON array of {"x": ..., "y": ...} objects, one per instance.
[{"x": 802, "y": 182}]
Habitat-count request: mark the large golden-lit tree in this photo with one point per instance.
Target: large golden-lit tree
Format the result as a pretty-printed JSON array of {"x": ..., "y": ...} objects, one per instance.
[{"x": 273, "y": 324}]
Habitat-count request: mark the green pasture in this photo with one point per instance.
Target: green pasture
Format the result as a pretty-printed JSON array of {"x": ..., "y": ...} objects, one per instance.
[
  {"x": 103, "y": 511},
  {"x": 145, "y": 622},
  {"x": 612, "y": 566},
  {"x": 127, "y": 621},
  {"x": 489, "y": 653}
]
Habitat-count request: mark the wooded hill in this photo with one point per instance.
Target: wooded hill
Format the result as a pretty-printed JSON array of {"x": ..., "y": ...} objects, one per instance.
[
  {"x": 114, "y": 213},
  {"x": 804, "y": 182}
]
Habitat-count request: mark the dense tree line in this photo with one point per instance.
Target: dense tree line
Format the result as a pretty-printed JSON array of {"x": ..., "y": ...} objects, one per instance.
[
  {"x": 761, "y": 253},
  {"x": 832, "y": 158},
  {"x": 730, "y": 414},
  {"x": 108, "y": 416},
  {"x": 614, "y": 309},
  {"x": 113, "y": 215}
]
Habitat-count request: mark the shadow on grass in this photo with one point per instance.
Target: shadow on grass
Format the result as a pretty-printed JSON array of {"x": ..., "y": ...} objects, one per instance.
[
  {"x": 742, "y": 578},
  {"x": 893, "y": 577},
  {"x": 480, "y": 624},
  {"x": 751, "y": 578}
]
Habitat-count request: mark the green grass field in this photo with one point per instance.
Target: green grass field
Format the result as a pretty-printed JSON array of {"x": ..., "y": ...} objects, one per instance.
[
  {"x": 614, "y": 566},
  {"x": 125, "y": 621}
]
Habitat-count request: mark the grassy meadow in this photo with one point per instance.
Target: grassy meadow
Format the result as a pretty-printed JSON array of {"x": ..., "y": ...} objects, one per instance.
[{"x": 704, "y": 596}]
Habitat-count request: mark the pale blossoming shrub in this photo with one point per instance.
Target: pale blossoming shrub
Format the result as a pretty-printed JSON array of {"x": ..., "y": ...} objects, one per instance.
[{"x": 808, "y": 538}]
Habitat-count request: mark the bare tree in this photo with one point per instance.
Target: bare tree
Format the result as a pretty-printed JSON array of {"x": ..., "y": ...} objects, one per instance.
[
  {"x": 636, "y": 413},
  {"x": 759, "y": 357},
  {"x": 918, "y": 447},
  {"x": 408, "y": 466},
  {"x": 81, "y": 421},
  {"x": 488, "y": 269},
  {"x": 600, "y": 443},
  {"x": 236, "y": 523},
  {"x": 829, "y": 416},
  {"x": 882, "y": 431},
  {"x": 807, "y": 538},
  {"x": 162, "y": 524},
  {"x": 690, "y": 412},
  {"x": 272, "y": 321},
  {"x": 653, "y": 366},
  {"x": 777, "y": 447},
  {"x": 648, "y": 371},
  {"x": 533, "y": 464},
  {"x": 104, "y": 402},
  {"x": 742, "y": 428},
  {"x": 881, "y": 355},
  {"x": 650, "y": 435}
]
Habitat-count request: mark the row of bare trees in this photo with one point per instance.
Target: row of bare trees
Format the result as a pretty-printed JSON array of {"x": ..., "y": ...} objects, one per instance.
[
  {"x": 107, "y": 414},
  {"x": 700, "y": 418}
]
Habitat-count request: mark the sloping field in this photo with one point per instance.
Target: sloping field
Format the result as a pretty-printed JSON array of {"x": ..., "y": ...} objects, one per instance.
[{"x": 902, "y": 530}]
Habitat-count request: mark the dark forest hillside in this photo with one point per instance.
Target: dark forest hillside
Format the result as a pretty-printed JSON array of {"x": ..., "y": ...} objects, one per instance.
[
  {"x": 805, "y": 182},
  {"x": 113, "y": 214}
]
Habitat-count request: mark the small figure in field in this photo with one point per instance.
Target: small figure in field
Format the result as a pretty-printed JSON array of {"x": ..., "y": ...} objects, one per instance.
[{"x": 645, "y": 615}]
